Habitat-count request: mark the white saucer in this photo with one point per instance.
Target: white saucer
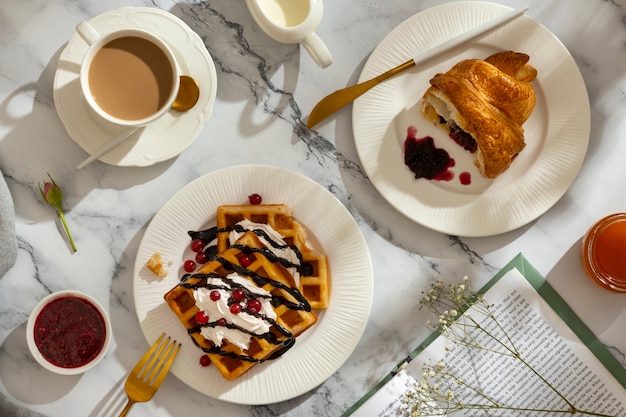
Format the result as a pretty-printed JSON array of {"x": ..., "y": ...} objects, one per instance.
[
  {"x": 169, "y": 135},
  {"x": 557, "y": 133}
]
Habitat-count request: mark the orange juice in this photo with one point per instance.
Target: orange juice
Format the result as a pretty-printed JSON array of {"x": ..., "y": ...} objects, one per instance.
[{"x": 604, "y": 252}]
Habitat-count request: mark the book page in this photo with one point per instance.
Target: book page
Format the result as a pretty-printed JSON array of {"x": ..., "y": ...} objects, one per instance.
[{"x": 543, "y": 339}]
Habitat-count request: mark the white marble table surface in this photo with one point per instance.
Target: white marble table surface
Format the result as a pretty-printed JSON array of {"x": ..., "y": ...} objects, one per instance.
[{"x": 265, "y": 91}]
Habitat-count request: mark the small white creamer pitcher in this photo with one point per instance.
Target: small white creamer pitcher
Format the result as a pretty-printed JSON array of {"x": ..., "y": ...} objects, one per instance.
[{"x": 293, "y": 21}]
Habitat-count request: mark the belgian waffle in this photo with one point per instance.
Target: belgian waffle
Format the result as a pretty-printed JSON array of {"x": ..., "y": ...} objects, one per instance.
[
  {"x": 315, "y": 274},
  {"x": 294, "y": 314}
]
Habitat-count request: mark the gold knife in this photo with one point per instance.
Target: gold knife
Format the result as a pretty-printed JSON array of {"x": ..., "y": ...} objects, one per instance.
[{"x": 333, "y": 102}]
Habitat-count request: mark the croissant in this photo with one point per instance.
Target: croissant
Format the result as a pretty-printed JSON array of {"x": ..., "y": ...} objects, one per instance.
[{"x": 483, "y": 105}]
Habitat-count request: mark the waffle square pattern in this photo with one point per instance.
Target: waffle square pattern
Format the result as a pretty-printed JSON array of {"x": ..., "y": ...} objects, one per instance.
[
  {"x": 249, "y": 302},
  {"x": 313, "y": 280}
]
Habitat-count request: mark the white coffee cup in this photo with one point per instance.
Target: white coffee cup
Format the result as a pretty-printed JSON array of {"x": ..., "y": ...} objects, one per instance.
[
  {"x": 129, "y": 77},
  {"x": 293, "y": 21}
]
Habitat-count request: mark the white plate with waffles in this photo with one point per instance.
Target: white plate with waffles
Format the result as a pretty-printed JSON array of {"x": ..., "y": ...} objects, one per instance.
[
  {"x": 557, "y": 133},
  {"x": 164, "y": 138},
  {"x": 318, "y": 352}
]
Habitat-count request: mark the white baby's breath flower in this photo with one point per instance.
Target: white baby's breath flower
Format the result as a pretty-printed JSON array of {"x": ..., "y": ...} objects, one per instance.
[{"x": 440, "y": 391}]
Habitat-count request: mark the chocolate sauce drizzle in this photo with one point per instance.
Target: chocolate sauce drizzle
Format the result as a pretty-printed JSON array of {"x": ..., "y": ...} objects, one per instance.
[
  {"x": 300, "y": 303},
  {"x": 210, "y": 234}
]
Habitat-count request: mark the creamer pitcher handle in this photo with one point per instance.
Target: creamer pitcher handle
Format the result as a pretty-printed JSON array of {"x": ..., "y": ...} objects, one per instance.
[{"x": 318, "y": 51}]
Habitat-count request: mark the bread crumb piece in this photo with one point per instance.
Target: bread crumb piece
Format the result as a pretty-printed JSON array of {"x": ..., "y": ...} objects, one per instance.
[{"x": 155, "y": 264}]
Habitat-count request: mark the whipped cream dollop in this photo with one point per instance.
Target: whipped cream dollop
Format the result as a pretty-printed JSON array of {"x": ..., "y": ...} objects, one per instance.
[
  {"x": 254, "y": 324},
  {"x": 278, "y": 246}
]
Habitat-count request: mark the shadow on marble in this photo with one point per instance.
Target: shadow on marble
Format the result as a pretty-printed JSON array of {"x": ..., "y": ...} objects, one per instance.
[
  {"x": 41, "y": 151},
  {"x": 247, "y": 61},
  {"x": 262, "y": 73},
  {"x": 111, "y": 404},
  {"x": 30, "y": 383},
  {"x": 598, "y": 306},
  {"x": 42, "y": 386}
]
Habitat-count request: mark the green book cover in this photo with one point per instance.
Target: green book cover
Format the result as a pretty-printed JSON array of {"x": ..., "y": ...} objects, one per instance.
[{"x": 552, "y": 298}]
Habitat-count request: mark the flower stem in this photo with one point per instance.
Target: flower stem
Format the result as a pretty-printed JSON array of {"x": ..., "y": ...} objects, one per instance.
[{"x": 67, "y": 229}]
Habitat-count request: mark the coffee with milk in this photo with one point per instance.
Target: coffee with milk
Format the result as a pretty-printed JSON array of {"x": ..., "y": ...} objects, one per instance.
[{"x": 130, "y": 78}]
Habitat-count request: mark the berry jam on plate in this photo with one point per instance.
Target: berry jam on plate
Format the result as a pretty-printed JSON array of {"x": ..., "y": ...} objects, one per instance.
[
  {"x": 426, "y": 160},
  {"x": 68, "y": 332}
]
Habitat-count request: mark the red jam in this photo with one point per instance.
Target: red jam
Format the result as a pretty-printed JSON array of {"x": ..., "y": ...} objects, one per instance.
[
  {"x": 465, "y": 178},
  {"x": 604, "y": 253},
  {"x": 427, "y": 161},
  {"x": 69, "y": 332}
]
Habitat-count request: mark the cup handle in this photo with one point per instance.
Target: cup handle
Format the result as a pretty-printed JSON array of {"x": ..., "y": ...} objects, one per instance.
[
  {"x": 318, "y": 51},
  {"x": 87, "y": 32}
]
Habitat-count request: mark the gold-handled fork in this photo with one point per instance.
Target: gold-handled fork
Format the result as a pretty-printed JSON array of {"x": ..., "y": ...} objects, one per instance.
[{"x": 146, "y": 377}]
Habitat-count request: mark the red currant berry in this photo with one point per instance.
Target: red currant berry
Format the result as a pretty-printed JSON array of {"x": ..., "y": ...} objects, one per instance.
[
  {"x": 221, "y": 322},
  {"x": 202, "y": 258},
  {"x": 245, "y": 260},
  {"x": 205, "y": 360},
  {"x": 202, "y": 317},
  {"x": 235, "y": 308},
  {"x": 189, "y": 266},
  {"x": 255, "y": 198},
  {"x": 215, "y": 295},
  {"x": 254, "y": 306},
  {"x": 238, "y": 294},
  {"x": 197, "y": 245}
]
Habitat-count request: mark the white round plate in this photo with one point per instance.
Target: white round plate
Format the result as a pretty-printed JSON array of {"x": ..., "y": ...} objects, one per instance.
[
  {"x": 319, "y": 351},
  {"x": 557, "y": 133},
  {"x": 169, "y": 135}
]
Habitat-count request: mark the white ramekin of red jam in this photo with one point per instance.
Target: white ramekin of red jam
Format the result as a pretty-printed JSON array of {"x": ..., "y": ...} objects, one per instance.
[
  {"x": 603, "y": 252},
  {"x": 68, "y": 332}
]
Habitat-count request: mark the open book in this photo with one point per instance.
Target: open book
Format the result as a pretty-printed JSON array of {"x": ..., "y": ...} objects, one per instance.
[{"x": 547, "y": 333}]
